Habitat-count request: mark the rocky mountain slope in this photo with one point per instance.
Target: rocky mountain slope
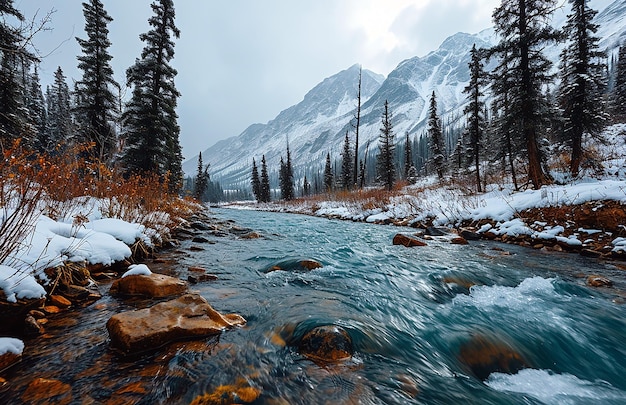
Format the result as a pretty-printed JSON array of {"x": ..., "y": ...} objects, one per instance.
[{"x": 317, "y": 124}]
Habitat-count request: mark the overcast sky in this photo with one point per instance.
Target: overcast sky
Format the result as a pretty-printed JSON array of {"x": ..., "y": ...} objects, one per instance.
[{"x": 241, "y": 62}]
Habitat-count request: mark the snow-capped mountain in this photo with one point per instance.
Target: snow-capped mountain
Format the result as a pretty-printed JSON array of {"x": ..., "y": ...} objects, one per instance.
[{"x": 317, "y": 125}]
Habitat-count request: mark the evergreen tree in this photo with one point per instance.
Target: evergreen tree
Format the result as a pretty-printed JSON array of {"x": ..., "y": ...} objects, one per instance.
[
  {"x": 202, "y": 179},
  {"x": 524, "y": 29},
  {"x": 59, "y": 129},
  {"x": 408, "y": 157},
  {"x": 13, "y": 119},
  {"x": 619, "y": 91},
  {"x": 386, "y": 145},
  {"x": 347, "y": 175},
  {"x": 264, "y": 191},
  {"x": 306, "y": 187},
  {"x": 329, "y": 179},
  {"x": 96, "y": 108},
  {"x": 289, "y": 190},
  {"x": 582, "y": 80},
  {"x": 255, "y": 182},
  {"x": 437, "y": 146},
  {"x": 151, "y": 127},
  {"x": 37, "y": 109},
  {"x": 475, "y": 108}
]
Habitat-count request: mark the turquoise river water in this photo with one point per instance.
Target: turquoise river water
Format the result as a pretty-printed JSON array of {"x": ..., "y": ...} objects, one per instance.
[{"x": 408, "y": 311}]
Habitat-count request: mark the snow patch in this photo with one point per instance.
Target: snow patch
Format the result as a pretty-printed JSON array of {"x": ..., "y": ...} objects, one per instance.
[
  {"x": 137, "y": 270},
  {"x": 11, "y": 345}
]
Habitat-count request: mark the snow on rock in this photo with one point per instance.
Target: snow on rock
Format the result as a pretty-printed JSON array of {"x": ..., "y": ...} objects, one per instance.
[
  {"x": 17, "y": 284},
  {"x": 619, "y": 245},
  {"x": 137, "y": 269},
  {"x": 11, "y": 345}
]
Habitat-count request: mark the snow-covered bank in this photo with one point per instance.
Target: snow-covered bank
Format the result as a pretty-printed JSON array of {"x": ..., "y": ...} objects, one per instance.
[
  {"x": 501, "y": 211},
  {"x": 53, "y": 243}
]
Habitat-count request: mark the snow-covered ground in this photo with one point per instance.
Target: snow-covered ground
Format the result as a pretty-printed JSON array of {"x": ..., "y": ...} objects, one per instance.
[{"x": 92, "y": 240}]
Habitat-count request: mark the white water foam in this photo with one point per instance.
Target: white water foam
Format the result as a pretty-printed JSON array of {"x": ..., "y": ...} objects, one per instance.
[
  {"x": 530, "y": 291},
  {"x": 551, "y": 388}
]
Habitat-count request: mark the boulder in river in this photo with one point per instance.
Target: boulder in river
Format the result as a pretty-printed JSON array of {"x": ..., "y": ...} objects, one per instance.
[
  {"x": 153, "y": 285},
  {"x": 296, "y": 265},
  {"x": 485, "y": 355},
  {"x": 186, "y": 317},
  {"x": 596, "y": 280},
  {"x": 326, "y": 344},
  {"x": 405, "y": 240}
]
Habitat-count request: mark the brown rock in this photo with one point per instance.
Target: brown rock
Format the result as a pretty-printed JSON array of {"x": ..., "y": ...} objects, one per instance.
[
  {"x": 251, "y": 235},
  {"x": 8, "y": 359},
  {"x": 311, "y": 264},
  {"x": 326, "y": 344},
  {"x": 598, "y": 281},
  {"x": 459, "y": 241},
  {"x": 189, "y": 316},
  {"x": 590, "y": 253},
  {"x": 51, "y": 309},
  {"x": 153, "y": 285},
  {"x": 195, "y": 279},
  {"x": 197, "y": 269},
  {"x": 407, "y": 241},
  {"x": 485, "y": 356},
  {"x": 44, "y": 391},
  {"x": 60, "y": 301},
  {"x": 229, "y": 394},
  {"x": 36, "y": 314}
]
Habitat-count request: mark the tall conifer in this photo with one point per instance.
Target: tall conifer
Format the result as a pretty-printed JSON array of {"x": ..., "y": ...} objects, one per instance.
[
  {"x": 474, "y": 111},
  {"x": 386, "y": 145},
  {"x": 437, "y": 144},
  {"x": 264, "y": 191},
  {"x": 347, "y": 176},
  {"x": 151, "y": 123},
  {"x": 583, "y": 81},
  {"x": 524, "y": 29},
  {"x": 96, "y": 108},
  {"x": 255, "y": 182}
]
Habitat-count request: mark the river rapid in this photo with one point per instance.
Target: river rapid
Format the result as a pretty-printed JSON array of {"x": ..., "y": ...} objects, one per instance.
[{"x": 408, "y": 311}]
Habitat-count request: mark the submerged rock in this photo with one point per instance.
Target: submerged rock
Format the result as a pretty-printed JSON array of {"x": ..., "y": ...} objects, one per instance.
[
  {"x": 45, "y": 391},
  {"x": 189, "y": 316},
  {"x": 484, "y": 356},
  {"x": 598, "y": 281},
  {"x": 229, "y": 394},
  {"x": 153, "y": 285},
  {"x": 404, "y": 240},
  {"x": 296, "y": 265},
  {"x": 326, "y": 344}
]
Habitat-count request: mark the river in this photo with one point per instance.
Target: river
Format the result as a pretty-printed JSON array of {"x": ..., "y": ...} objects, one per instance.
[{"x": 408, "y": 311}]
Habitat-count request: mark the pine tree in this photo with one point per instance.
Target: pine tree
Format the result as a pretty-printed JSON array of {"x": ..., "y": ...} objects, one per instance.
[
  {"x": 347, "y": 175},
  {"x": 306, "y": 187},
  {"x": 13, "y": 56},
  {"x": 289, "y": 190},
  {"x": 582, "y": 80},
  {"x": 151, "y": 127},
  {"x": 386, "y": 145},
  {"x": 329, "y": 179},
  {"x": 59, "y": 129},
  {"x": 37, "y": 109},
  {"x": 202, "y": 179},
  {"x": 475, "y": 108},
  {"x": 437, "y": 146},
  {"x": 409, "y": 168},
  {"x": 264, "y": 191},
  {"x": 619, "y": 91},
  {"x": 255, "y": 182},
  {"x": 97, "y": 106},
  {"x": 524, "y": 29}
]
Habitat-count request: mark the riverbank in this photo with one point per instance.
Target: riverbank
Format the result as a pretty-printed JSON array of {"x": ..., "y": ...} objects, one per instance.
[{"x": 586, "y": 217}]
